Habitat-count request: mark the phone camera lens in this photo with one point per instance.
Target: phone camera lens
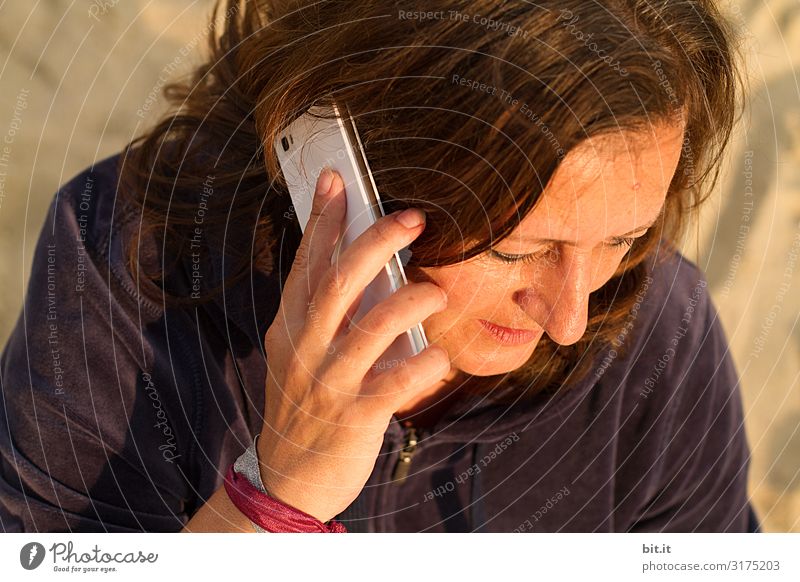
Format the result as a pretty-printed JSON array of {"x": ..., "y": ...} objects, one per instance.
[{"x": 285, "y": 144}]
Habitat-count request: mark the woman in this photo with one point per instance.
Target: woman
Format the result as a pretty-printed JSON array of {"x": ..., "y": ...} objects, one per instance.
[{"x": 578, "y": 378}]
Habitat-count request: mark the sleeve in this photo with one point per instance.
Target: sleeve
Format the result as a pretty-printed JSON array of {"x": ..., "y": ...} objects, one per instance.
[
  {"x": 76, "y": 443},
  {"x": 704, "y": 460}
]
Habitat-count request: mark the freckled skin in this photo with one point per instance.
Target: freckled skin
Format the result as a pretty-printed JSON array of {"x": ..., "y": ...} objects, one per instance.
[{"x": 603, "y": 189}]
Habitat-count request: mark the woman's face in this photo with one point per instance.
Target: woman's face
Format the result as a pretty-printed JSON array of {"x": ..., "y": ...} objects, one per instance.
[{"x": 605, "y": 191}]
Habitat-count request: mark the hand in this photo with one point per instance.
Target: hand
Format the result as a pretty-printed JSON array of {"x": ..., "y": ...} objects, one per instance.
[{"x": 326, "y": 409}]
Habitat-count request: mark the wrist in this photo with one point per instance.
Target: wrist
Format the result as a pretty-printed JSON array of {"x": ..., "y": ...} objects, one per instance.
[
  {"x": 286, "y": 491},
  {"x": 267, "y": 513}
]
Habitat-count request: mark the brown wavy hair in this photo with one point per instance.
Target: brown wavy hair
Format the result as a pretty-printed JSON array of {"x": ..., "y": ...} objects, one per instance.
[{"x": 476, "y": 160}]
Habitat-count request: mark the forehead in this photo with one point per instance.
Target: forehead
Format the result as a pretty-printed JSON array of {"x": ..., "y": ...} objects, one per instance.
[{"x": 606, "y": 186}]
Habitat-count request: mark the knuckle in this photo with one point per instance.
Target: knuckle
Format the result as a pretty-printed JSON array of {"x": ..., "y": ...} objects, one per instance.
[
  {"x": 275, "y": 337},
  {"x": 317, "y": 216},
  {"x": 301, "y": 257},
  {"x": 403, "y": 378},
  {"x": 270, "y": 343},
  {"x": 383, "y": 323},
  {"x": 385, "y": 232},
  {"x": 269, "y": 337},
  {"x": 336, "y": 283}
]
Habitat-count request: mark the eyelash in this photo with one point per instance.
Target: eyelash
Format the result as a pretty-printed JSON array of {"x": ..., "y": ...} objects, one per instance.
[{"x": 619, "y": 243}]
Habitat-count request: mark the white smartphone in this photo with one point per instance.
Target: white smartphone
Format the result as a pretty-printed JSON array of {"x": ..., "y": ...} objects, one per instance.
[{"x": 304, "y": 149}]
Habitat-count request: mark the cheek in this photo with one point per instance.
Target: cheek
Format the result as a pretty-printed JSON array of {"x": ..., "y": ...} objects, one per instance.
[{"x": 471, "y": 289}]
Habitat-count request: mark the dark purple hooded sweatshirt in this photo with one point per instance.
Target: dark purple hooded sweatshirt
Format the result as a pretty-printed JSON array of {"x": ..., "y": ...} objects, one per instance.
[{"x": 119, "y": 415}]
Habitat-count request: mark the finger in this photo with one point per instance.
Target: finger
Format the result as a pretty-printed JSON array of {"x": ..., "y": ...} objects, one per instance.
[
  {"x": 313, "y": 256},
  {"x": 357, "y": 266},
  {"x": 376, "y": 331},
  {"x": 400, "y": 384},
  {"x": 351, "y": 311}
]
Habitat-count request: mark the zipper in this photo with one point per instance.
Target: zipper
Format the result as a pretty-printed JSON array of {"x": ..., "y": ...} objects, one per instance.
[{"x": 403, "y": 465}]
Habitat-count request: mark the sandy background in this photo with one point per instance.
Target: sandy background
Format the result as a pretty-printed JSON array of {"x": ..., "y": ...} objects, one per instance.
[{"x": 75, "y": 73}]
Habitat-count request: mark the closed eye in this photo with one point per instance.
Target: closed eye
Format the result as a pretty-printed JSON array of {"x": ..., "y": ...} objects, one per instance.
[
  {"x": 519, "y": 258},
  {"x": 624, "y": 242}
]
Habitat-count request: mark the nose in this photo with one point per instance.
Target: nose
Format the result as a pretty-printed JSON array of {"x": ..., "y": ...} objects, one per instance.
[{"x": 562, "y": 294}]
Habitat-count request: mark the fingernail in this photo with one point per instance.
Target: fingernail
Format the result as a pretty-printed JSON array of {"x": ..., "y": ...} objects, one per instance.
[
  {"x": 325, "y": 182},
  {"x": 411, "y": 217}
]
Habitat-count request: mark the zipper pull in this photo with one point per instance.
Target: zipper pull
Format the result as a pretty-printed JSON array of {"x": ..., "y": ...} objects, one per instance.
[{"x": 403, "y": 465}]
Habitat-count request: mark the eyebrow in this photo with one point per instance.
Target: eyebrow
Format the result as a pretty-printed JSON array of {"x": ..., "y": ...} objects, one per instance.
[{"x": 634, "y": 231}]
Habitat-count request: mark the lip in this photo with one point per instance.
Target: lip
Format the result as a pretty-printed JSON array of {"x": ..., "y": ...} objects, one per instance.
[{"x": 507, "y": 335}]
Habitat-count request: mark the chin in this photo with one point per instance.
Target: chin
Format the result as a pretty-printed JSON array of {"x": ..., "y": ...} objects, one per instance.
[
  {"x": 489, "y": 366},
  {"x": 488, "y": 358}
]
